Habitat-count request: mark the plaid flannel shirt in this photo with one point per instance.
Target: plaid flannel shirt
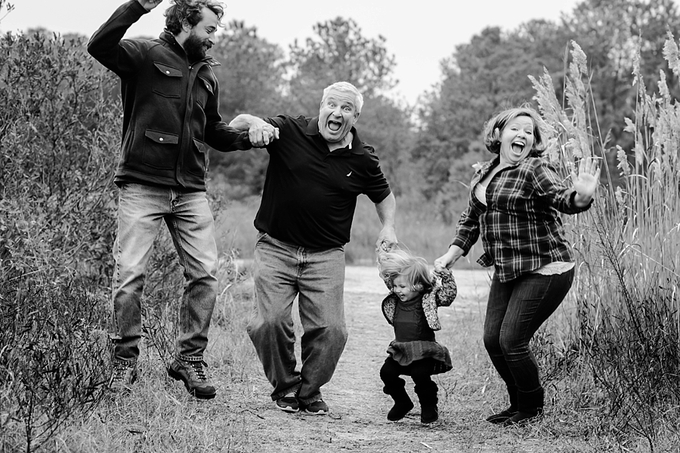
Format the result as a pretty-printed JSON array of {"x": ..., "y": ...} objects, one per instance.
[{"x": 520, "y": 224}]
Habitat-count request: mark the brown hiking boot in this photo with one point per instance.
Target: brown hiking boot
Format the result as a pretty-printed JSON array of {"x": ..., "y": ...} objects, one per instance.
[
  {"x": 123, "y": 375},
  {"x": 193, "y": 374}
]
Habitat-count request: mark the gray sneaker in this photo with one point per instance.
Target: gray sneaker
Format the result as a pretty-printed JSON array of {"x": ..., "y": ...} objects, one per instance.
[
  {"x": 194, "y": 376},
  {"x": 123, "y": 375}
]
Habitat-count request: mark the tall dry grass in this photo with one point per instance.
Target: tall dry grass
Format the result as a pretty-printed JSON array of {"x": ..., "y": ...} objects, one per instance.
[{"x": 622, "y": 346}]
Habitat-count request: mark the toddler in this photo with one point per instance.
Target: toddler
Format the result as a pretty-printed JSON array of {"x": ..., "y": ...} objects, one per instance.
[{"x": 411, "y": 308}]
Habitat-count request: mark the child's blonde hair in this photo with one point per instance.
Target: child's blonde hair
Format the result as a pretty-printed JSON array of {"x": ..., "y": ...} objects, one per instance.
[{"x": 399, "y": 262}]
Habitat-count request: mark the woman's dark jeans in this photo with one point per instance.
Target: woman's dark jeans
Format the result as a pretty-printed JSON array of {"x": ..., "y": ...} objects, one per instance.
[{"x": 516, "y": 309}]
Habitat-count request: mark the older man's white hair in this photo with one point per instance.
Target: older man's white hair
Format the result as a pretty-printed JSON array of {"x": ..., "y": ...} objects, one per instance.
[{"x": 346, "y": 87}]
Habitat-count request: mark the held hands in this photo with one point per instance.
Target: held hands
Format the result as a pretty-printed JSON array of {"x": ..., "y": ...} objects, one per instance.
[
  {"x": 442, "y": 263},
  {"x": 586, "y": 181},
  {"x": 448, "y": 259},
  {"x": 387, "y": 240},
  {"x": 262, "y": 134},
  {"x": 149, "y": 4}
]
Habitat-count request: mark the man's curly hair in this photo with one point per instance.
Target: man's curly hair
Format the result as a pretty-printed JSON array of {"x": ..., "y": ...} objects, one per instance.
[{"x": 190, "y": 11}]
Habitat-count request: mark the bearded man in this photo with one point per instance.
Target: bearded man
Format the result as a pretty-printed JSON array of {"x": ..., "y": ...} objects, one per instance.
[{"x": 170, "y": 103}]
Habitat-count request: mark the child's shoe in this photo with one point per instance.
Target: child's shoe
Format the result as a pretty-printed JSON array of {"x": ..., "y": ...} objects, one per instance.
[
  {"x": 427, "y": 395},
  {"x": 429, "y": 414},
  {"x": 402, "y": 404},
  {"x": 400, "y": 409}
]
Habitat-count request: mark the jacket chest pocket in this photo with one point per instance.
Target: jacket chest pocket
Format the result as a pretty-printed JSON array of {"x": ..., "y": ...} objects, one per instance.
[{"x": 170, "y": 81}]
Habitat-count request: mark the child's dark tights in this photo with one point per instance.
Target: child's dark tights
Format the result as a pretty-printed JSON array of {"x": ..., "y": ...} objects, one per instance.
[{"x": 420, "y": 371}]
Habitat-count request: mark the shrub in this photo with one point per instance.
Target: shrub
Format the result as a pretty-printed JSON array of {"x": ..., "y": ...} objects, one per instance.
[{"x": 58, "y": 142}]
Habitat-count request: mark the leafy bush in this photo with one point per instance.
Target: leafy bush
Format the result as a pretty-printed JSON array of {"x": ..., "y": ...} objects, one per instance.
[
  {"x": 59, "y": 136},
  {"x": 59, "y": 142}
]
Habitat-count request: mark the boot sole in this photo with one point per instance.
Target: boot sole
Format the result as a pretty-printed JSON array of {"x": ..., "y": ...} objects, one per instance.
[
  {"x": 291, "y": 408},
  {"x": 499, "y": 418},
  {"x": 521, "y": 422}
]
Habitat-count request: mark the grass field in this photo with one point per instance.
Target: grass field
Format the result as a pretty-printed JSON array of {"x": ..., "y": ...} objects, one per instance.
[{"x": 159, "y": 416}]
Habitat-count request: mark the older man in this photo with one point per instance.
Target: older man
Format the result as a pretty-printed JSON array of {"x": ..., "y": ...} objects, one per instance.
[{"x": 317, "y": 169}]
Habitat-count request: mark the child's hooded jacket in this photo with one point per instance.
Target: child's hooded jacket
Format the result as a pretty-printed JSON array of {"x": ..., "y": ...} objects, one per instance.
[{"x": 443, "y": 293}]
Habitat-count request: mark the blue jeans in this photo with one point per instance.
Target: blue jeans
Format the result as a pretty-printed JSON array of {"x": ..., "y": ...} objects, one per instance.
[
  {"x": 515, "y": 311},
  {"x": 282, "y": 272},
  {"x": 141, "y": 209}
]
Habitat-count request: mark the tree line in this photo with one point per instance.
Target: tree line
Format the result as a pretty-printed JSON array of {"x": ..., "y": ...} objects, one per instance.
[{"x": 427, "y": 149}]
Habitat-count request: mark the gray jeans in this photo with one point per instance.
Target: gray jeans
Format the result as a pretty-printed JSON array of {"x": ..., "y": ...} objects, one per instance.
[
  {"x": 141, "y": 210},
  {"x": 283, "y": 272}
]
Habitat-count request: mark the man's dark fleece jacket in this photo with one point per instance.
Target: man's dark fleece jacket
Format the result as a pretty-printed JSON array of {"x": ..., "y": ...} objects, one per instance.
[{"x": 170, "y": 106}]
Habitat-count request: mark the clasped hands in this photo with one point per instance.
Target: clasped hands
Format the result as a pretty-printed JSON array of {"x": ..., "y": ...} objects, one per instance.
[{"x": 262, "y": 134}]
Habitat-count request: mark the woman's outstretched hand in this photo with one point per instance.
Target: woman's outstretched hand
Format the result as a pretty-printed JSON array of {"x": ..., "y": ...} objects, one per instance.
[{"x": 586, "y": 181}]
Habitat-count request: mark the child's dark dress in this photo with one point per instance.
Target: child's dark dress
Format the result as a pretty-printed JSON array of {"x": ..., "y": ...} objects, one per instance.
[{"x": 414, "y": 339}]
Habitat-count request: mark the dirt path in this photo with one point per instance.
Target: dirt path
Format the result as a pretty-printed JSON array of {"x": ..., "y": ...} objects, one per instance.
[{"x": 358, "y": 421}]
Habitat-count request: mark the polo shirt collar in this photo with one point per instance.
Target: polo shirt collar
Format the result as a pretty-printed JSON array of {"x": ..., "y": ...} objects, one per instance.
[{"x": 357, "y": 146}]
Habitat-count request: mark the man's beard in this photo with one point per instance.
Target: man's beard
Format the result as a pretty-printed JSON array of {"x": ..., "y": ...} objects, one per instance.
[{"x": 195, "y": 48}]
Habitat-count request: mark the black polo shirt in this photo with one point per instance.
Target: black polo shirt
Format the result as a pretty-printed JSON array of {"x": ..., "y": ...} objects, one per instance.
[{"x": 310, "y": 193}]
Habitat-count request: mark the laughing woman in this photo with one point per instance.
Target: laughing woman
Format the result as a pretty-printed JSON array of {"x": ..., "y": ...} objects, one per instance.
[{"x": 515, "y": 203}]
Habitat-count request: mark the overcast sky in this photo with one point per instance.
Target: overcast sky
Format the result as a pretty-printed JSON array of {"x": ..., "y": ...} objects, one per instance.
[{"x": 420, "y": 34}]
